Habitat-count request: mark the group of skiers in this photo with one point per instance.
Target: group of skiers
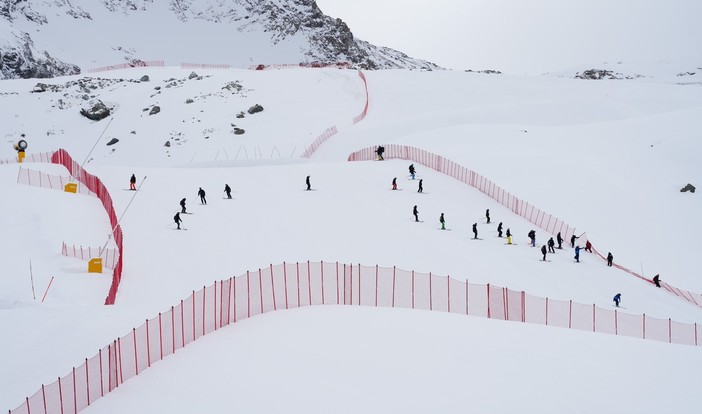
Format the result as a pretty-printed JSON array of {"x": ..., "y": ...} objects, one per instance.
[{"x": 203, "y": 200}]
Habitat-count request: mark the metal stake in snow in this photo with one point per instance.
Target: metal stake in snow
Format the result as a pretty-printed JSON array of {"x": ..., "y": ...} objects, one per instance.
[
  {"x": 96, "y": 142},
  {"x": 109, "y": 236},
  {"x": 31, "y": 277}
]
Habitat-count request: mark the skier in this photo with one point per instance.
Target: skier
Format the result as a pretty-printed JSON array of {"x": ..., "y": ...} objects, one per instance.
[
  {"x": 543, "y": 251},
  {"x": 416, "y": 213},
  {"x": 412, "y": 170},
  {"x": 609, "y": 259},
  {"x": 380, "y": 151},
  {"x": 132, "y": 183},
  {"x": 307, "y": 181},
  {"x": 182, "y": 206},
  {"x": 475, "y": 230},
  {"x": 487, "y": 215},
  {"x": 617, "y": 298},
  {"x": 177, "y": 220},
  {"x": 551, "y": 243},
  {"x": 421, "y": 188},
  {"x": 572, "y": 240},
  {"x": 657, "y": 280},
  {"x": 499, "y": 230},
  {"x": 559, "y": 239},
  {"x": 394, "y": 183},
  {"x": 509, "y": 236},
  {"x": 228, "y": 190},
  {"x": 588, "y": 246},
  {"x": 577, "y": 254},
  {"x": 201, "y": 193},
  {"x": 442, "y": 221},
  {"x": 532, "y": 237}
]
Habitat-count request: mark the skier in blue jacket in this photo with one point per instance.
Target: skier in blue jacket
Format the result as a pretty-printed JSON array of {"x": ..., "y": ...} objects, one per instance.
[
  {"x": 577, "y": 254},
  {"x": 617, "y": 298}
]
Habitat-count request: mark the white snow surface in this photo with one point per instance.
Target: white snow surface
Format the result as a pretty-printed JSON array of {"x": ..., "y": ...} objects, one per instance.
[{"x": 608, "y": 157}]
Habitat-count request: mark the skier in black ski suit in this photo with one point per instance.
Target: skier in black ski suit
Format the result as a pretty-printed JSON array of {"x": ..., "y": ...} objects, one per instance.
[
  {"x": 487, "y": 215},
  {"x": 551, "y": 243},
  {"x": 412, "y": 170},
  {"x": 610, "y": 258},
  {"x": 132, "y": 183},
  {"x": 182, "y": 206},
  {"x": 201, "y": 193},
  {"x": 543, "y": 251},
  {"x": 532, "y": 237},
  {"x": 475, "y": 230},
  {"x": 572, "y": 240},
  {"x": 177, "y": 220},
  {"x": 617, "y": 298},
  {"x": 421, "y": 188},
  {"x": 559, "y": 239},
  {"x": 380, "y": 152},
  {"x": 499, "y": 230},
  {"x": 416, "y": 213},
  {"x": 657, "y": 280},
  {"x": 394, "y": 183},
  {"x": 307, "y": 181},
  {"x": 228, "y": 190},
  {"x": 442, "y": 221}
]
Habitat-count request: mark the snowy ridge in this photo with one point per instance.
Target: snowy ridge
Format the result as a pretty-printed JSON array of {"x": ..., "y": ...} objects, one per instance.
[
  {"x": 289, "y": 286},
  {"x": 256, "y": 32}
]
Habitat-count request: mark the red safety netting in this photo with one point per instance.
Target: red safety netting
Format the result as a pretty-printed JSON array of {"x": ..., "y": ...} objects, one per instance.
[
  {"x": 338, "y": 65},
  {"x": 39, "y": 157},
  {"x": 303, "y": 284},
  {"x": 41, "y": 179},
  {"x": 358, "y": 118},
  {"x": 95, "y": 185},
  {"x": 204, "y": 66},
  {"x": 87, "y": 253},
  {"x": 328, "y": 133},
  {"x": 131, "y": 64},
  {"x": 534, "y": 215}
]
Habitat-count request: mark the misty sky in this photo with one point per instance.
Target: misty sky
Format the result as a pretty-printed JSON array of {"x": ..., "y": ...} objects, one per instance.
[{"x": 527, "y": 36}]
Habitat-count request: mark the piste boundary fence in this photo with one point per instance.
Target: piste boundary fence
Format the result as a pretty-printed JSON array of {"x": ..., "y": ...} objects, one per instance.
[
  {"x": 41, "y": 179},
  {"x": 331, "y": 131},
  {"x": 95, "y": 185},
  {"x": 289, "y": 286},
  {"x": 87, "y": 253},
  {"x": 534, "y": 215}
]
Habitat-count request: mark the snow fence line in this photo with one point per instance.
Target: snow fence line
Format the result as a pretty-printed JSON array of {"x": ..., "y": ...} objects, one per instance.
[
  {"x": 331, "y": 131},
  {"x": 87, "y": 253},
  {"x": 95, "y": 185},
  {"x": 294, "y": 285},
  {"x": 41, "y": 179},
  {"x": 39, "y": 157},
  {"x": 519, "y": 207},
  {"x": 131, "y": 64}
]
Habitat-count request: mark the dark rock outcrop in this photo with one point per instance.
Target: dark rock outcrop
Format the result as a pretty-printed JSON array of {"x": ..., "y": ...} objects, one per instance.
[
  {"x": 96, "y": 112},
  {"x": 255, "y": 109},
  {"x": 689, "y": 187}
]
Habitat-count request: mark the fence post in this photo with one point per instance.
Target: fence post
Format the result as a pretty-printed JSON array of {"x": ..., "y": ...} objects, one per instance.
[
  {"x": 593, "y": 318},
  {"x": 87, "y": 381},
  {"x": 467, "y": 297},
  {"x": 275, "y": 305},
  {"x": 148, "y": 346},
  {"x": 297, "y": 272},
  {"x": 160, "y": 335},
  {"x": 431, "y": 306},
  {"x": 413, "y": 289},
  {"x": 393, "y": 289},
  {"x": 448, "y": 292},
  {"x": 337, "y": 285},
  {"x": 248, "y": 294},
  {"x": 260, "y": 287},
  {"x": 643, "y": 317},
  {"x": 570, "y": 314},
  {"x": 376, "y": 285},
  {"x": 136, "y": 356},
  {"x": 670, "y": 331},
  {"x": 285, "y": 283},
  {"x": 193, "y": 317},
  {"x": 309, "y": 283},
  {"x": 546, "y": 311},
  {"x": 172, "y": 328},
  {"x": 321, "y": 270},
  {"x": 488, "y": 300}
]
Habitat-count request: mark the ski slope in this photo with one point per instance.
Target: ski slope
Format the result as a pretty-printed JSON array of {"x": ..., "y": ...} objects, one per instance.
[{"x": 608, "y": 157}]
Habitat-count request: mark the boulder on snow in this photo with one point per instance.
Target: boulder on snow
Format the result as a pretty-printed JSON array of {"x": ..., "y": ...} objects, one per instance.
[
  {"x": 167, "y": 144},
  {"x": 113, "y": 141},
  {"x": 255, "y": 109},
  {"x": 689, "y": 187},
  {"x": 240, "y": 114},
  {"x": 238, "y": 131},
  {"x": 156, "y": 109},
  {"x": 144, "y": 78},
  {"x": 96, "y": 112},
  {"x": 40, "y": 87},
  {"x": 192, "y": 75}
]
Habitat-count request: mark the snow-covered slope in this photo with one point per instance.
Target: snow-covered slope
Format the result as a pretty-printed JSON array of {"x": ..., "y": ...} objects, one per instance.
[
  {"x": 43, "y": 38},
  {"x": 578, "y": 149}
]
